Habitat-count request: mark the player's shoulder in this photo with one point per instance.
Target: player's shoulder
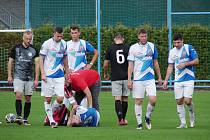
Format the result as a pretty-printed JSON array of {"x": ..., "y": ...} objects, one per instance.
[
  {"x": 134, "y": 46},
  {"x": 151, "y": 44}
]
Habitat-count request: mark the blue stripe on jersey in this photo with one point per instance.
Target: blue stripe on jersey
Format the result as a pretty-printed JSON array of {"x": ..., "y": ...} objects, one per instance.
[
  {"x": 155, "y": 55},
  {"x": 186, "y": 77},
  {"x": 89, "y": 47},
  {"x": 148, "y": 76},
  {"x": 59, "y": 73},
  {"x": 89, "y": 118},
  {"x": 146, "y": 65}
]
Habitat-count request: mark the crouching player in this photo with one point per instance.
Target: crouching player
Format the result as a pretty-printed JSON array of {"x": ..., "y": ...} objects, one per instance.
[{"x": 85, "y": 117}]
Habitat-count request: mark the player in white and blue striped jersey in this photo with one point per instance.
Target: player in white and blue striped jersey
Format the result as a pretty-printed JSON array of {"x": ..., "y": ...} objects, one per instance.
[
  {"x": 142, "y": 62},
  {"x": 52, "y": 62},
  {"x": 183, "y": 58},
  {"x": 82, "y": 116},
  {"x": 77, "y": 49}
]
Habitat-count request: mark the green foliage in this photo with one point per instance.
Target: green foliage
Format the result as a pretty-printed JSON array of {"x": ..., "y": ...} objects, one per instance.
[{"x": 197, "y": 35}]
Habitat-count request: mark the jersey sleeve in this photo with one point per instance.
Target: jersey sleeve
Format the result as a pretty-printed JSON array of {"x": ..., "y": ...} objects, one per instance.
[
  {"x": 155, "y": 54},
  {"x": 89, "y": 47},
  {"x": 131, "y": 56},
  {"x": 12, "y": 53},
  {"x": 43, "y": 50},
  {"x": 170, "y": 60},
  {"x": 192, "y": 53}
]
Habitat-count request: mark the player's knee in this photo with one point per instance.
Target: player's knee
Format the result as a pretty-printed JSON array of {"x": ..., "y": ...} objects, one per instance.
[
  {"x": 28, "y": 99},
  {"x": 138, "y": 101},
  {"x": 18, "y": 96},
  {"x": 59, "y": 100}
]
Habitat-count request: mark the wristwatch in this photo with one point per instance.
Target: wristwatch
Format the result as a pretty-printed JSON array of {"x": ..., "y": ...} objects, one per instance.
[{"x": 91, "y": 63}]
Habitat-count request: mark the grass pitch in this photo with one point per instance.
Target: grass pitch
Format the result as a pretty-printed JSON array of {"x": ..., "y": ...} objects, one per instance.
[{"x": 164, "y": 121}]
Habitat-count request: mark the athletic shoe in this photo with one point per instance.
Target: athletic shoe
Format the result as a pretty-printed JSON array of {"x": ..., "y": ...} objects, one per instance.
[
  {"x": 121, "y": 122},
  {"x": 53, "y": 125},
  {"x": 125, "y": 122},
  {"x": 19, "y": 120},
  {"x": 25, "y": 122},
  {"x": 182, "y": 126},
  {"x": 139, "y": 127},
  {"x": 192, "y": 123},
  {"x": 148, "y": 123}
]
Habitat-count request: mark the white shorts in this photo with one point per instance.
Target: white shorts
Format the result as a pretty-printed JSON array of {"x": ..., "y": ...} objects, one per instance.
[
  {"x": 120, "y": 88},
  {"x": 25, "y": 87},
  {"x": 139, "y": 88},
  {"x": 53, "y": 86},
  {"x": 183, "y": 89}
]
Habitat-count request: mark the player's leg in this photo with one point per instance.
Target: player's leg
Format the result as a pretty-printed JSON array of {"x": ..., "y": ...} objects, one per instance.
[
  {"x": 117, "y": 93},
  {"x": 151, "y": 92},
  {"x": 47, "y": 90},
  {"x": 27, "y": 107},
  {"x": 138, "y": 94},
  {"x": 95, "y": 90},
  {"x": 125, "y": 94},
  {"x": 188, "y": 93},
  {"x": 179, "y": 96},
  {"x": 18, "y": 89}
]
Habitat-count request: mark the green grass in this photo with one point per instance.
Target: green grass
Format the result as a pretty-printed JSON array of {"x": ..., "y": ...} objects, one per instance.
[{"x": 164, "y": 121}]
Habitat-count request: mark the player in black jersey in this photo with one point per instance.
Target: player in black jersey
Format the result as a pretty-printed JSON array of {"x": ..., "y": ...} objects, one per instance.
[
  {"x": 116, "y": 55},
  {"x": 23, "y": 56}
]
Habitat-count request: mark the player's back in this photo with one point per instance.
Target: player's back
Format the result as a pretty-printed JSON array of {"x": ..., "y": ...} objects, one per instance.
[{"x": 117, "y": 55}]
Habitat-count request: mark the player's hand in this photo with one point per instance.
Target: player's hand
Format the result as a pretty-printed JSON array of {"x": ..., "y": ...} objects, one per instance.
[
  {"x": 130, "y": 84},
  {"x": 36, "y": 83},
  {"x": 160, "y": 82},
  {"x": 88, "y": 67},
  {"x": 165, "y": 85},
  {"x": 106, "y": 77},
  {"x": 10, "y": 79},
  {"x": 181, "y": 66},
  {"x": 44, "y": 78}
]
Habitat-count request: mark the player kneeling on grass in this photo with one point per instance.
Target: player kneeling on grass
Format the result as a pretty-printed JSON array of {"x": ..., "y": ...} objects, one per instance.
[{"x": 85, "y": 117}]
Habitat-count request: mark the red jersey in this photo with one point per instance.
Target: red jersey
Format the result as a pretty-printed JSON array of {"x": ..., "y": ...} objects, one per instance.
[{"x": 82, "y": 79}]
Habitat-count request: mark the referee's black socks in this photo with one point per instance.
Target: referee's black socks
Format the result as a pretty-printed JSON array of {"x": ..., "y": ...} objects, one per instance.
[
  {"x": 18, "y": 106},
  {"x": 118, "y": 109}
]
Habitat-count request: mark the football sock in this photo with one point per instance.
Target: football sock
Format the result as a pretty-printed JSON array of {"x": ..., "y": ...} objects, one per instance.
[
  {"x": 181, "y": 113},
  {"x": 27, "y": 109},
  {"x": 48, "y": 110},
  {"x": 18, "y": 106},
  {"x": 55, "y": 106},
  {"x": 150, "y": 109},
  {"x": 138, "y": 112},
  {"x": 191, "y": 111},
  {"x": 124, "y": 108},
  {"x": 118, "y": 109}
]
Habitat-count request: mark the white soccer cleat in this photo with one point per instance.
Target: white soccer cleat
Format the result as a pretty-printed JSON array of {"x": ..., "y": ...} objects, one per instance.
[
  {"x": 148, "y": 123},
  {"x": 192, "y": 124},
  {"x": 139, "y": 127},
  {"x": 182, "y": 126}
]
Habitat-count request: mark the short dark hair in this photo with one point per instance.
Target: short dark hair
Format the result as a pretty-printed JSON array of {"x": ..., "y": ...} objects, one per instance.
[
  {"x": 142, "y": 31},
  {"x": 58, "y": 30},
  {"x": 177, "y": 36},
  {"x": 119, "y": 34},
  {"x": 74, "y": 27}
]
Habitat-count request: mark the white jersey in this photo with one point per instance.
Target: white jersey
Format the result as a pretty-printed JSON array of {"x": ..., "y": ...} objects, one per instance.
[
  {"x": 143, "y": 57},
  {"x": 54, "y": 53},
  {"x": 184, "y": 54},
  {"x": 76, "y": 52}
]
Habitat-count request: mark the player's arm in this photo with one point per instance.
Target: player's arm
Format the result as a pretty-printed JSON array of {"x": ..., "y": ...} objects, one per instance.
[
  {"x": 95, "y": 57},
  {"x": 130, "y": 71},
  {"x": 41, "y": 65},
  {"x": 106, "y": 67},
  {"x": 168, "y": 73},
  {"x": 87, "y": 92},
  {"x": 66, "y": 66},
  {"x": 36, "y": 80},
  {"x": 9, "y": 68},
  {"x": 72, "y": 112},
  {"x": 157, "y": 70}
]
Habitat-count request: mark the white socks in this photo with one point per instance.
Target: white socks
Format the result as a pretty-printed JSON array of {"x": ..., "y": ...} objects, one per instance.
[
  {"x": 138, "y": 112},
  {"x": 191, "y": 112},
  {"x": 55, "y": 106},
  {"x": 150, "y": 109},
  {"x": 48, "y": 110},
  {"x": 181, "y": 113}
]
